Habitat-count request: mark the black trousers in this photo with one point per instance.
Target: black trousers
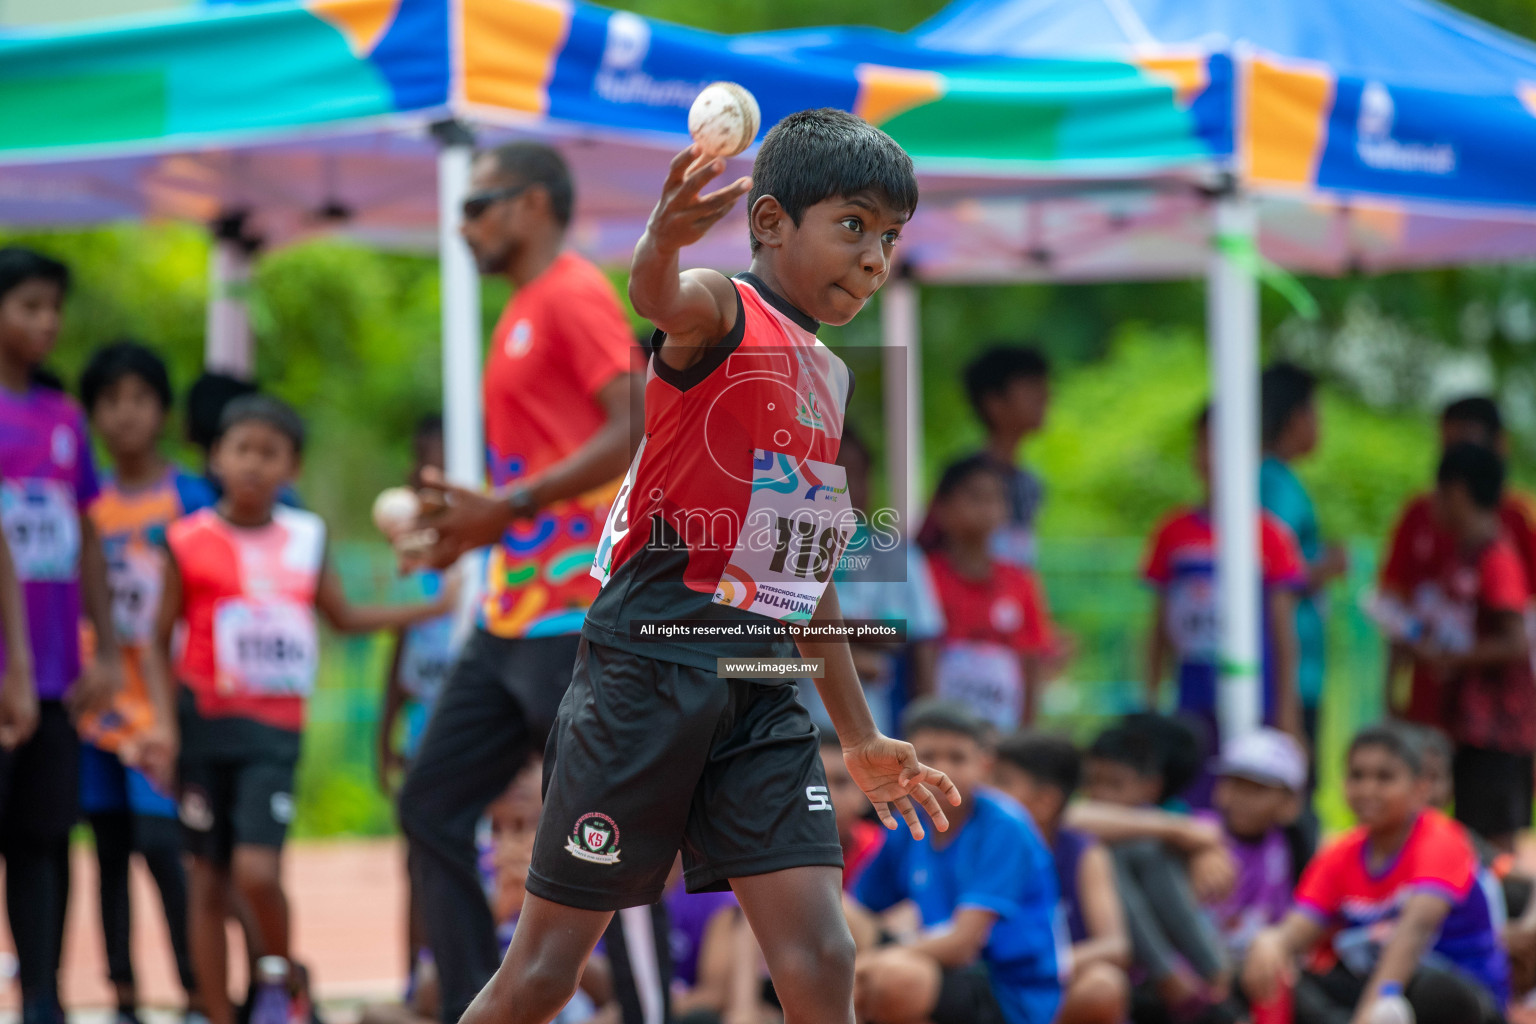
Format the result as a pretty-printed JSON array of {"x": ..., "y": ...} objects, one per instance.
[
  {"x": 119, "y": 835},
  {"x": 39, "y": 800},
  {"x": 495, "y": 710}
]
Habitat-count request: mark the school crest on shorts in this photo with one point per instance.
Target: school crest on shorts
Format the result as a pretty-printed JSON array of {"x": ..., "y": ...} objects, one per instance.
[{"x": 595, "y": 839}]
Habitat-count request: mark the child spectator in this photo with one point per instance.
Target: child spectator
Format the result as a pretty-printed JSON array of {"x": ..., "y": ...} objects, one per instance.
[
  {"x": 1421, "y": 546},
  {"x": 1181, "y": 568},
  {"x": 1475, "y": 648},
  {"x": 990, "y": 948},
  {"x": 243, "y": 583},
  {"x": 125, "y": 763},
  {"x": 996, "y": 623},
  {"x": 1515, "y": 885},
  {"x": 423, "y": 655},
  {"x": 1009, "y": 389},
  {"x": 1260, "y": 782},
  {"x": 1175, "y": 948},
  {"x": 880, "y": 576},
  {"x": 717, "y": 975},
  {"x": 1290, "y": 432},
  {"x": 1393, "y": 907},
  {"x": 47, "y": 480},
  {"x": 424, "y": 652},
  {"x": 1041, "y": 773}
]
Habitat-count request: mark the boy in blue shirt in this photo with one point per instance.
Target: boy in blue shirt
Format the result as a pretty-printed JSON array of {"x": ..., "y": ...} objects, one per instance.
[{"x": 991, "y": 949}]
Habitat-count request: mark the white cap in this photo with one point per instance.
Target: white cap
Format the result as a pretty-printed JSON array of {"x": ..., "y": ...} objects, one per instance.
[{"x": 1268, "y": 756}]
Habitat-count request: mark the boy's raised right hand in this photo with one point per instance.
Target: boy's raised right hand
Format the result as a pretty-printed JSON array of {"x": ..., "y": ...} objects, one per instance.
[{"x": 682, "y": 216}]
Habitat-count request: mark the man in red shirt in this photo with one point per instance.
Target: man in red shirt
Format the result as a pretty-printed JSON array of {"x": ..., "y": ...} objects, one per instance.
[
  {"x": 1473, "y": 648},
  {"x": 562, "y": 412},
  {"x": 1420, "y": 544}
]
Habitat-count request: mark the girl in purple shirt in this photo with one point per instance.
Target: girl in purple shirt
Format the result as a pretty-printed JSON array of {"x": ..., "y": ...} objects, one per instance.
[{"x": 46, "y": 481}]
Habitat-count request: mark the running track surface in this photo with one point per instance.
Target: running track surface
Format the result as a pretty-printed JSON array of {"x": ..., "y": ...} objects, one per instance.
[{"x": 348, "y": 904}]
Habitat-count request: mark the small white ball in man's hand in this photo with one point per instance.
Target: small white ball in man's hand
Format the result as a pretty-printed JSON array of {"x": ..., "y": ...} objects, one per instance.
[{"x": 395, "y": 510}]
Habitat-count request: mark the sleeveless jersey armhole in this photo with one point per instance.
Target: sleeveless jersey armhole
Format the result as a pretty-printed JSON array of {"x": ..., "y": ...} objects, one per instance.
[{"x": 713, "y": 359}]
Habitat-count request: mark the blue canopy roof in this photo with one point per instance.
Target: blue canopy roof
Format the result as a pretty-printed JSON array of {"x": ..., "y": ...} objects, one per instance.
[{"x": 1406, "y": 42}]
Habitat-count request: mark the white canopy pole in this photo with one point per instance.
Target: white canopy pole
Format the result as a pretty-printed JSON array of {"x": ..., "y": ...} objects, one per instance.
[
  {"x": 901, "y": 336},
  {"x": 1232, "y": 315},
  {"x": 463, "y": 430},
  {"x": 228, "y": 346}
]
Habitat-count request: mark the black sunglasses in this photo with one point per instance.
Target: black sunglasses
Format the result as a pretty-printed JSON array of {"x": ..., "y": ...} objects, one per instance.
[{"x": 476, "y": 205}]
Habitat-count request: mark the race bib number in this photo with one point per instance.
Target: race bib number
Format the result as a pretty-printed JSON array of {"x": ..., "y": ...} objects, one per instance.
[
  {"x": 797, "y": 525},
  {"x": 985, "y": 677},
  {"x": 427, "y": 658},
  {"x": 136, "y": 575},
  {"x": 1450, "y": 624},
  {"x": 1192, "y": 622},
  {"x": 42, "y": 526},
  {"x": 265, "y": 648}
]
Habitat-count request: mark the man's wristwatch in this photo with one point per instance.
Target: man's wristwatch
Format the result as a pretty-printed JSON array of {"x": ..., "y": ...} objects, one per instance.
[{"x": 520, "y": 500}]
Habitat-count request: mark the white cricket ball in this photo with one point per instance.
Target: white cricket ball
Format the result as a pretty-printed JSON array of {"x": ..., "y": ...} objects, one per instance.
[
  {"x": 395, "y": 509},
  {"x": 723, "y": 119}
]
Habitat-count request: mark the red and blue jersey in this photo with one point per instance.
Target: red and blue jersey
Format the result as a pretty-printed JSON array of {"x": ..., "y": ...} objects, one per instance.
[
  {"x": 1360, "y": 907},
  {"x": 248, "y": 608},
  {"x": 46, "y": 479},
  {"x": 1181, "y": 562}
]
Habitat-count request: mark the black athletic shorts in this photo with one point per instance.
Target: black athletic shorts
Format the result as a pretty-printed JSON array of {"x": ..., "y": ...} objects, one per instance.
[
  {"x": 1493, "y": 790},
  {"x": 648, "y": 757},
  {"x": 40, "y": 781},
  {"x": 966, "y": 997},
  {"x": 236, "y": 783}
]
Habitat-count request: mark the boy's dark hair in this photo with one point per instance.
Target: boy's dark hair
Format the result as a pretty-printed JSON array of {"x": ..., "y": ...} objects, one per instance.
[
  {"x": 1180, "y": 748},
  {"x": 207, "y": 398},
  {"x": 1479, "y": 410},
  {"x": 1203, "y": 419},
  {"x": 1047, "y": 758},
  {"x": 528, "y": 162},
  {"x": 957, "y": 473},
  {"x": 823, "y": 154},
  {"x": 19, "y": 265},
  {"x": 1284, "y": 390},
  {"x": 1478, "y": 469},
  {"x": 429, "y": 426},
  {"x": 124, "y": 358},
  {"x": 1397, "y": 739},
  {"x": 991, "y": 372},
  {"x": 1120, "y": 744},
  {"x": 934, "y": 715},
  {"x": 268, "y": 410}
]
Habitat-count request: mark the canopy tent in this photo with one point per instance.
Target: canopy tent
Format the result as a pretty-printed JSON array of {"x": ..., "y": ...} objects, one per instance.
[{"x": 1056, "y": 140}]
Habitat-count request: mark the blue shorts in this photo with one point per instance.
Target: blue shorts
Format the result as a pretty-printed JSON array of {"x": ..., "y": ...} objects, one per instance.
[{"x": 107, "y": 785}]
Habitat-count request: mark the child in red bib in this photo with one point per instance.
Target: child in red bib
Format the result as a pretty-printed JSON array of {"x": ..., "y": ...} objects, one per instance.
[{"x": 243, "y": 583}]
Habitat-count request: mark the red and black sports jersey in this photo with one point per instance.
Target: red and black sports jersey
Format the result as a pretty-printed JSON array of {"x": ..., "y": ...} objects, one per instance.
[{"x": 768, "y": 388}]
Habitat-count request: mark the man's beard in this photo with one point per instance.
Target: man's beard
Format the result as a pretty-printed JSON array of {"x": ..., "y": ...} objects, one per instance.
[{"x": 495, "y": 262}]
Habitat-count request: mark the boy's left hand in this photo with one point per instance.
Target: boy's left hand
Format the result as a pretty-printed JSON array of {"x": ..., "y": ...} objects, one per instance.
[
  {"x": 96, "y": 688},
  {"x": 889, "y": 772}
]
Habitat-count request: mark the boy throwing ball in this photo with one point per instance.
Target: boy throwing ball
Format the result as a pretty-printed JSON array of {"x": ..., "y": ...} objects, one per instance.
[{"x": 728, "y": 514}]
